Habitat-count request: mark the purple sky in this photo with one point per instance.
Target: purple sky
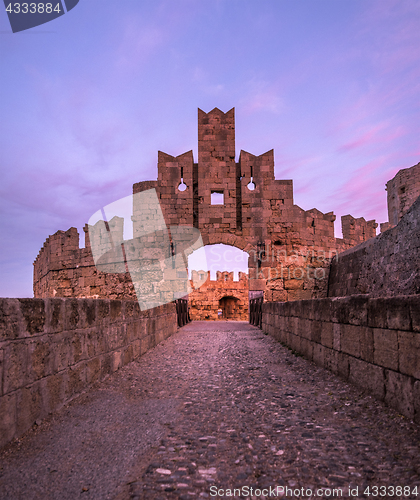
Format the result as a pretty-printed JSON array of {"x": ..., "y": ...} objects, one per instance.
[{"x": 88, "y": 99}]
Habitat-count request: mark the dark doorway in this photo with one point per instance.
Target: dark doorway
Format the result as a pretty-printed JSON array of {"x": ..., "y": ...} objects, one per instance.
[{"x": 229, "y": 307}]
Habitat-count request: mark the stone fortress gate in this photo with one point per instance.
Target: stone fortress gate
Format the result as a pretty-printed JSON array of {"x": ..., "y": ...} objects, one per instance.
[{"x": 233, "y": 203}]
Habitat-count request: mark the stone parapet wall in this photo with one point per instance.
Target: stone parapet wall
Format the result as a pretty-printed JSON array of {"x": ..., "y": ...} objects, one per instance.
[
  {"x": 371, "y": 342},
  {"x": 62, "y": 269},
  {"x": 388, "y": 265},
  {"x": 53, "y": 349}
]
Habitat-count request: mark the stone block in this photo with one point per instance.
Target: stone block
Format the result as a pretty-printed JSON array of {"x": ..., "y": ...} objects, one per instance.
[
  {"x": 112, "y": 337},
  {"x": 343, "y": 367},
  {"x": 304, "y": 328},
  {"x": 41, "y": 359},
  {"x": 11, "y": 320},
  {"x": 78, "y": 346},
  {"x": 95, "y": 342},
  {"x": 331, "y": 360},
  {"x": 30, "y": 405},
  {"x": 319, "y": 354},
  {"x": 367, "y": 376},
  {"x": 336, "y": 336},
  {"x": 416, "y": 401},
  {"x": 327, "y": 334},
  {"x": 72, "y": 316},
  {"x": 385, "y": 344},
  {"x": 306, "y": 348},
  {"x": 116, "y": 360},
  {"x": 106, "y": 364},
  {"x": 398, "y": 313},
  {"x": 122, "y": 334},
  {"x": 409, "y": 353},
  {"x": 131, "y": 309},
  {"x": 76, "y": 380},
  {"x": 366, "y": 344},
  {"x": 132, "y": 331},
  {"x": 151, "y": 326},
  {"x": 350, "y": 310},
  {"x": 116, "y": 312},
  {"x": 136, "y": 345},
  {"x": 55, "y": 314},
  {"x": 307, "y": 309},
  {"x": 399, "y": 392},
  {"x": 93, "y": 370},
  {"x": 127, "y": 355},
  {"x": 296, "y": 309},
  {"x": 294, "y": 342},
  {"x": 279, "y": 295},
  {"x": 87, "y": 312},
  {"x": 62, "y": 351},
  {"x": 322, "y": 309},
  {"x": 103, "y": 311},
  {"x": 377, "y": 313},
  {"x": 16, "y": 362},
  {"x": 56, "y": 390},
  {"x": 8, "y": 418},
  {"x": 33, "y": 313},
  {"x": 413, "y": 302},
  {"x": 316, "y": 331},
  {"x": 350, "y": 340}
]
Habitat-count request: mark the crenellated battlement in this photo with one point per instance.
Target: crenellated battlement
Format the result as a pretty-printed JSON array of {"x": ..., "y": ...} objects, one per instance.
[
  {"x": 234, "y": 203},
  {"x": 221, "y": 277},
  {"x": 356, "y": 231}
]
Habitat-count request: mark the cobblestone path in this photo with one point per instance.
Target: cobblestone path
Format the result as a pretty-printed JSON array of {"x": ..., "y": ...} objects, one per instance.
[{"x": 220, "y": 407}]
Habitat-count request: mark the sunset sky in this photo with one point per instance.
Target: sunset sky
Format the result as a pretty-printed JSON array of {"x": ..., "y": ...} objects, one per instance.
[{"x": 87, "y": 100}]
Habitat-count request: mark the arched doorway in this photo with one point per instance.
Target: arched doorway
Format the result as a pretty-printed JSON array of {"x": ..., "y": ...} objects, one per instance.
[
  {"x": 229, "y": 307},
  {"x": 219, "y": 278}
]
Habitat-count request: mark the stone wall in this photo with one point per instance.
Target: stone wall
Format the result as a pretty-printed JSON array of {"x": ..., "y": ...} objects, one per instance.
[
  {"x": 286, "y": 244},
  {"x": 388, "y": 265},
  {"x": 371, "y": 342},
  {"x": 62, "y": 269},
  {"x": 402, "y": 191},
  {"x": 52, "y": 350},
  {"x": 222, "y": 298}
]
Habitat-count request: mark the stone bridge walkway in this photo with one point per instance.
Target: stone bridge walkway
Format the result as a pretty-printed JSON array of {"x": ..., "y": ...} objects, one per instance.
[{"x": 217, "y": 406}]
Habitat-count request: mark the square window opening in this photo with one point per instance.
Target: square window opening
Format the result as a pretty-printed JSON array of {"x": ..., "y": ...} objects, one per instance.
[{"x": 217, "y": 198}]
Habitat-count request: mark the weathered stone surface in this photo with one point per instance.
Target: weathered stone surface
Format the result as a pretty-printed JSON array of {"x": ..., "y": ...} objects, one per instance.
[
  {"x": 385, "y": 348},
  {"x": 384, "y": 361},
  {"x": 289, "y": 248},
  {"x": 68, "y": 346},
  {"x": 350, "y": 340},
  {"x": 399, "y": 392},
  {"x": 409, "y": 353},
  {"x": 368, "y": 376},
  {"x": 402, "y": 192},
  {"x": 384, "y": 266}
]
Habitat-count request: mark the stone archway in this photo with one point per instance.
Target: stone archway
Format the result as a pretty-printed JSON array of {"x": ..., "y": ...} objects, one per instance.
[{"x": 229, "y": 307}]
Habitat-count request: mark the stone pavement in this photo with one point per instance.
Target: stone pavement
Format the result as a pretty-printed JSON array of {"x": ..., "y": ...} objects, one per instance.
[{"x": 219, "y": 406}]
